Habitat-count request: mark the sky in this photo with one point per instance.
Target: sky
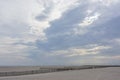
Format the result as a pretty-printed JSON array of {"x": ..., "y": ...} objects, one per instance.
[{"x": 59, "y": 32}]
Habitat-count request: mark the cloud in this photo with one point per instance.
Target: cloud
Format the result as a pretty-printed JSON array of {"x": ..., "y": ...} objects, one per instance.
[
  {"x": 11, "y": 52},
  {"x": 108, "y": 2},
  {"x": 96, "y": 13},
  {"x": 38, "y": 15},
  {"x": 58, "y": 31},
  {"x": 81, "y": 51},
  {"x": 108, "y": 57},
  {"x": 115, "y": 41},
  {"x": 16, "y": 17},
  {"x": 96, "y": 60},
  {"x": 114, "y": 60},
  {"x": 30, "y": 14},
  {"x": 88, "y": 20},
  {"x": 53, "y": 10}
]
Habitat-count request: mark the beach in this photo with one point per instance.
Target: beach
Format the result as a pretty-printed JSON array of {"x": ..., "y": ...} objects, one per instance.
[{"x": 110, "y": 73}]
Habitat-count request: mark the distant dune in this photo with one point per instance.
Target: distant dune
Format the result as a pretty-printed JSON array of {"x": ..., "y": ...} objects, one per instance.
[{"x": 110, "y": 73}]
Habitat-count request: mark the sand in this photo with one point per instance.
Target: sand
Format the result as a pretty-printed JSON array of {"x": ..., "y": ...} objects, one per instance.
[
  {"x": 18, "y": 68},
  {"x": 112, "y": 73}
]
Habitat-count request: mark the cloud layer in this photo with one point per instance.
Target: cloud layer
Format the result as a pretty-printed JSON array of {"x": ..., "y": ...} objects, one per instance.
[{"x": 58, "y": 32}]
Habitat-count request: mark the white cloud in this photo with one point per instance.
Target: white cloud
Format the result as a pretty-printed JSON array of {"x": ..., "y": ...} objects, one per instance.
[
  {"x": 95, "y": 59},
  {"x": 108, "y": 57},
  {"x": 16, "y": 17},
  {"x": 15, "y": 61},
  {"x": 12, "y": 13},
  {"x": 81, "y": 51},
  {"x": 11, "y": 52},
  {"x": 89, "y": 20},
  {"x": 17, "y": 12},
  {"x": 97, "y": 12},
  {"x": 108, "y": 2},
  {"x": 115, "y": 41},
  {"x": 13, "y": 46},
  {"x": 57, "y": 8},
  {"x": 21, "y": 21},
  {"x": 107, "y": 8},
  {"x": 18, "y": 24}
]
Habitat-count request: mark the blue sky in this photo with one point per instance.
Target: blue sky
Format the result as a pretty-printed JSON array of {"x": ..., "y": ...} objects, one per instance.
[{"x": 59, "y": 32}]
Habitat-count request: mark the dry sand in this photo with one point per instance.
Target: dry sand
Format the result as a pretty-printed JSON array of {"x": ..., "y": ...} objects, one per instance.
[{"x": 88, "y": 74}]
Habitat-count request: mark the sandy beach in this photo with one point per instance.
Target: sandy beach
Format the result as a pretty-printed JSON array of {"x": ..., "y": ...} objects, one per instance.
[{"x": 111, "y": 73}]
